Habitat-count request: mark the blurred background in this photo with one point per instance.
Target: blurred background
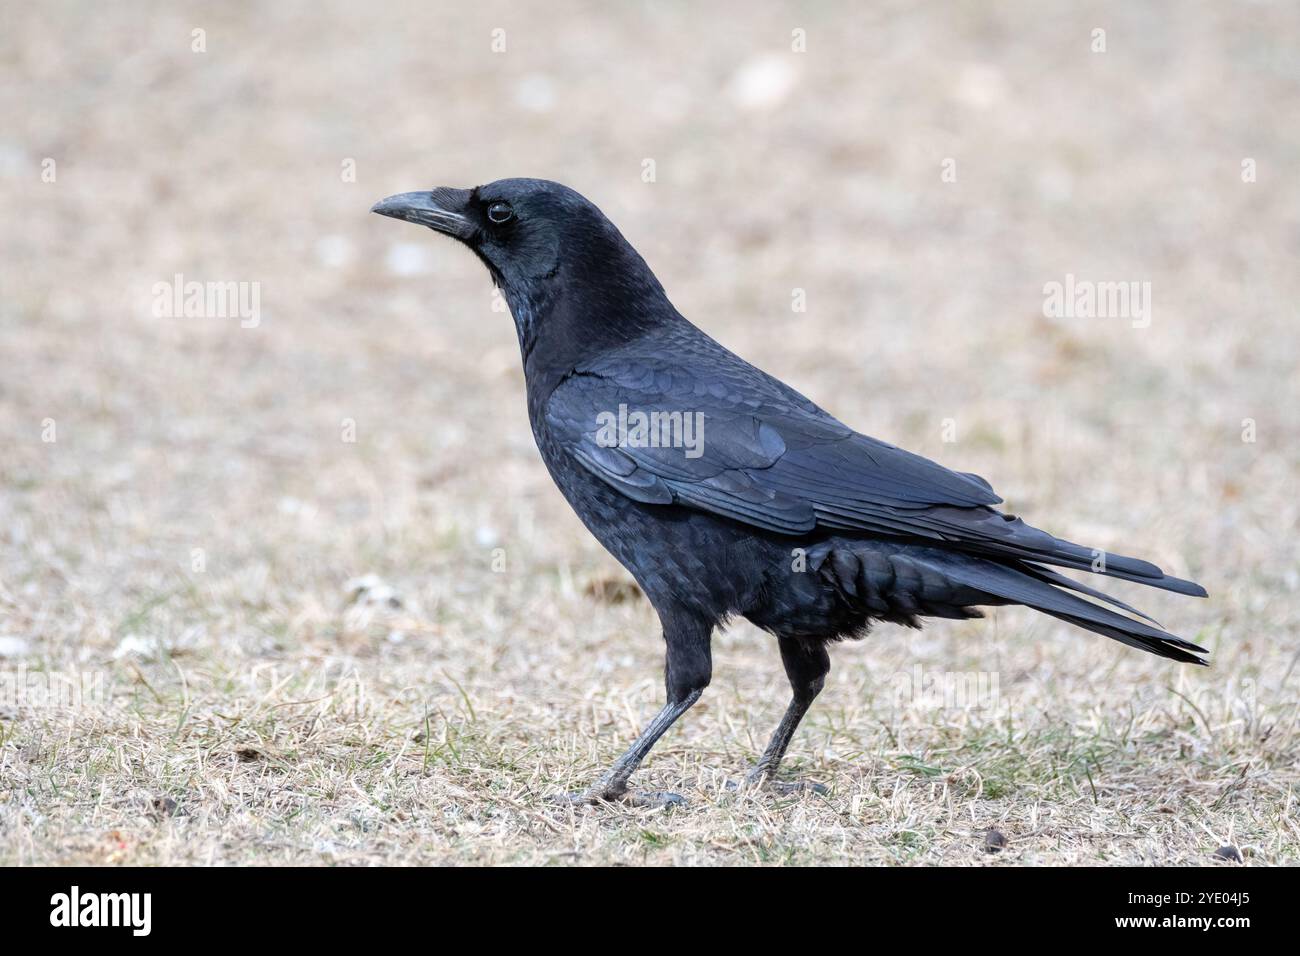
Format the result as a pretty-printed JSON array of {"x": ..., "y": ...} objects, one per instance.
[{"x": 190, "y": 489}]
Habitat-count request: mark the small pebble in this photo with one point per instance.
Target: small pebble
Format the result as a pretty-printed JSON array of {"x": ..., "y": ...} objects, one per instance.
[{"x": 995, "y": 841}]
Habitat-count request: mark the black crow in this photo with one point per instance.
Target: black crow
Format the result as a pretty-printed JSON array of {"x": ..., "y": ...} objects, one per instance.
[{"x": 726, "y": 492}]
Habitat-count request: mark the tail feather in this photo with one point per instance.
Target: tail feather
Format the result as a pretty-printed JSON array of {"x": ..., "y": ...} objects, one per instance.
[
  {"x": 1042, "y": 590},
  {"x": 1168, "y": 646},
  {"x": 900, "y": 582},
  {"x": 1076, "y": 558},
  {"x": 991, "y": 533},
  {"x": 1061, "y": 581}
]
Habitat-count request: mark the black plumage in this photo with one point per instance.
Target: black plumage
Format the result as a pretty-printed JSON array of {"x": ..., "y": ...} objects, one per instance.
[{"x": 774, "y": 511}]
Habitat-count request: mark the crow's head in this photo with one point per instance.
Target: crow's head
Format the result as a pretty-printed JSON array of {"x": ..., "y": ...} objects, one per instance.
[
  {"x": 550, "y": 250},
  {"x": 522, "y": 229}
]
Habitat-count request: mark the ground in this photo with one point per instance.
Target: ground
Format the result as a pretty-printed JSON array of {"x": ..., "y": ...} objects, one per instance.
[{"x": 325, "y": 602}]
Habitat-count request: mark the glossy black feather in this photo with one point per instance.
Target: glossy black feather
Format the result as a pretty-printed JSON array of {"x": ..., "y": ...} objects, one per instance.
[{"x": 784, "y": 514}]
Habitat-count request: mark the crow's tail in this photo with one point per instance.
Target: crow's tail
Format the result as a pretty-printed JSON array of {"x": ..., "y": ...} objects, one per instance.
[{"x": 902, "y": 582}]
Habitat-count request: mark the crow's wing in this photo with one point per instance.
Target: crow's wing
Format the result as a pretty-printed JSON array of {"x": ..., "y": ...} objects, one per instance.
[
  {"x": 731, "y": 440},
  {"x": 756, "y": 450}
]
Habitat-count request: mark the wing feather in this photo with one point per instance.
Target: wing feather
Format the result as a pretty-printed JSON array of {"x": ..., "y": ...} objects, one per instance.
[{"x": 768, "y": 457}]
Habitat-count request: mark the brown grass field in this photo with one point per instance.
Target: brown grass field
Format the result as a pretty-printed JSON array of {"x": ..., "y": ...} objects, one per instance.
[{"x": 184, "y": 522}]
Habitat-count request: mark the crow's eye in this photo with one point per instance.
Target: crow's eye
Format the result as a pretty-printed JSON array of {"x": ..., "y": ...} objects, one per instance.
[{"x": 500, "y": 212}]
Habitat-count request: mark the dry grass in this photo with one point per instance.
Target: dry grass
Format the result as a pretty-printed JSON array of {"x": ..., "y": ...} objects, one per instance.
[{"x": 250, "y": 713}]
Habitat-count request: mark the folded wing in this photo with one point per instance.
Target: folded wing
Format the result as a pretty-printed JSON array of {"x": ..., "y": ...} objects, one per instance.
[{"x": 758, "y": 452}]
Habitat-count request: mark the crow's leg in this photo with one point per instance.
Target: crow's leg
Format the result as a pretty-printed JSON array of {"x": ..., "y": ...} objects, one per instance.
[
  {"x": 687, "y": 671},
  {"x": 806, "y": 665}
]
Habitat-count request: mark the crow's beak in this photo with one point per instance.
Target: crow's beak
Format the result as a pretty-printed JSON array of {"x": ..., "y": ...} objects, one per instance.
[{"x": 441, "y": 209}]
